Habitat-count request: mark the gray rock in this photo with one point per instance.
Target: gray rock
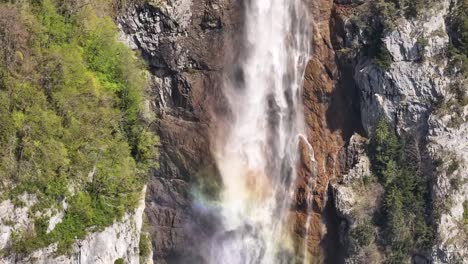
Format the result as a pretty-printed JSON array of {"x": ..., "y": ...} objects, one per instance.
[
  {"x": 407, "y": 92},
  {"x": 449, "y": 144},
  {"x": 407, "y": 95},
  {"x": 120, "y": 240}
]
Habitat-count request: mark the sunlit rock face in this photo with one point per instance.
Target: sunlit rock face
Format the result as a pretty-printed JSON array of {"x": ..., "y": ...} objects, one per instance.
[
  {"x": 409, "y": 94},
  {"x": 406, "y": 92},
  {"x": 117, "y": 241},
  {"x": 416, "y": 95}
]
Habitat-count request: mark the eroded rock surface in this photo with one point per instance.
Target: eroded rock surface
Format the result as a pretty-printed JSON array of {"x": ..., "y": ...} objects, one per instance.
[
  {"x": 188, "y": 46},
  {"x": 416, "y": 94},
  {"x": 406, "y": 92},
  {"x": 118, "y": 241},
  {"x": 357, "y": 196}
]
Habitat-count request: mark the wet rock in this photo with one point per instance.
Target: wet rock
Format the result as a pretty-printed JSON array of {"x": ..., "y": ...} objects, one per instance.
[
  {"x": 187, "y": 44},
  {"x": 412, "y": 94}
]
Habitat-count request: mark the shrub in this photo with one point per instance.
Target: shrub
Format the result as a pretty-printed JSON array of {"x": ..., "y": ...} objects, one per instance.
[
  {"x": 384, "y": 58},
  {"x": 453, "y": 166},
  {"x": 422, "y": 43},
  {"x": 363, "y": 234},
  {"x": 119, "y": 261},
  {"x": 144, "y": 245},
  {"x": 404, "y": 219},
  {"x": 458, "y": 48},
  {"x": 409, "y": 9}
]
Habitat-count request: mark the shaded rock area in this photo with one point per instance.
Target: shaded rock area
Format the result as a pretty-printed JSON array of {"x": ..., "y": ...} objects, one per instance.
[
  {"x": 356, "y": 198},
  {"x": 187, "y": 45},
  {"x": 117, "y": 241},
  {"x": 190, "y": 44}
]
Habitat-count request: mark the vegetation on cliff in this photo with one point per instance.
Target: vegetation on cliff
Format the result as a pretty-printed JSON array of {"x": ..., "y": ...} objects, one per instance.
[
  {"x": 453, "y": 105},
  {"x": 405, "y": 210},
  {"x": 381, "y": 16},
  {"x": 70, "y": 103},
  {"x": 378, "y": 17},
  {"x": 458, "y": 49}
]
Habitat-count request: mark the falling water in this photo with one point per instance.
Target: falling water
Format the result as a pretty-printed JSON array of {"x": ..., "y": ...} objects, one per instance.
[{"x": 259, "y": 154}]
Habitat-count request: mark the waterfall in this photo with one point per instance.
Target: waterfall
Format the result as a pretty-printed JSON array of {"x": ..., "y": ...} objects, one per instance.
[{"x": 258, "y": 154}]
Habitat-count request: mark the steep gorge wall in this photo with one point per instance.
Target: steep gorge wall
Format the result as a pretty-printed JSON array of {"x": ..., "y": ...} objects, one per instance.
[
  {"x": 117, "y": 241},
  {"x": 190, "y": 43},
  {"x": 187, "y": 45}
]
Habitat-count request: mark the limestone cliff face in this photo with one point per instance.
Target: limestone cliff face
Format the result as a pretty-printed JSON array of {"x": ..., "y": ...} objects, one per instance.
[
  {"x": 357, "y": 198},
  {"x": 407, "y": 92},
  {"x": 118, "y": 241},
  {"x": 188, "y": 45},
  {"x": 416, "y": 93}
]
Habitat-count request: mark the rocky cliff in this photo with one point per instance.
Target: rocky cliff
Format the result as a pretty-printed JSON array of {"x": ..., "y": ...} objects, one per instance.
[
  {"x": 189, "y": 44},
  {"x": 382, "y": 75},
  {"x": 331, "y": 115},
  {"x": 415, "y": 92}
]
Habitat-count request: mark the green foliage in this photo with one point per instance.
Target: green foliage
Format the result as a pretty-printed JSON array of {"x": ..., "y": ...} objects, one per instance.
[
  {"x": 458, "y": 88},
  {"x": 385, "y": 145},
  {"x": 453, "y": 166},
  {"x": 144, "y": 246},
  {"x": 458, "y": 48},
  {"x": 377, "y": 17},
  {"x": 404, "y": 219},
  {"x": 383, "y": 57},
  {"x": 410, "y": 9},
  {"x": 422, "y": 43},
  {"x": 70, "y": 117},
  {"x": 460, "y": 26},
  {"x": 362, "y": 235},
  {"x": 119, "y": 261},
  {"x": 374, "y": 22},
  {"x": 454, "y": 105}
]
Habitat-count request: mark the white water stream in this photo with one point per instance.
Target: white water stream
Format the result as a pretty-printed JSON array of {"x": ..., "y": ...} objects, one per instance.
[{"x": 258, "y": 159}]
